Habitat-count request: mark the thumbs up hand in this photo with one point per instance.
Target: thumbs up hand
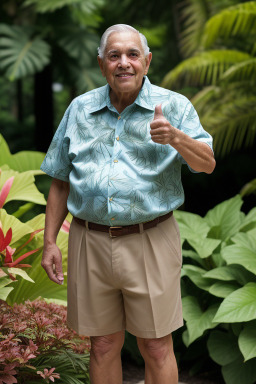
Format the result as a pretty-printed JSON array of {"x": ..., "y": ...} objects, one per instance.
[{"x": 162, "y": 131}]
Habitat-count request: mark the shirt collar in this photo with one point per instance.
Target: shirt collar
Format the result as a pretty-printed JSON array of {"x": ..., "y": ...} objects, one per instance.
[{"x": 143, "y": 99}]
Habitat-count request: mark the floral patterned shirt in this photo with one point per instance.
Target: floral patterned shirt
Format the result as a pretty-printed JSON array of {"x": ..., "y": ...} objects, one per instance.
[{"x": 117, "y": 174}]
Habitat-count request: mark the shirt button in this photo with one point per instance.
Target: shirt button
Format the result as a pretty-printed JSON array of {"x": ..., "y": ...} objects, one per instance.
[
  {"x": 115, "y": 161},
  {"x": 117, "y": 138},
  {"x": 119, "y": 117},
  {"x": 112, "y": 218},
  {"x": 111, "y": 198}
]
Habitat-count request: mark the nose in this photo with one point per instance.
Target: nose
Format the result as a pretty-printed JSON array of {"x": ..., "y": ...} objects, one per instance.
[{"x": 123, "y": 63}]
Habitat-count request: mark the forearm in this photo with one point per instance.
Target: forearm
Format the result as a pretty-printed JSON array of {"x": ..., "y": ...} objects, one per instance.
[
  {"x": 198, "y": 155},
  {"x": 56, "y": 210}
]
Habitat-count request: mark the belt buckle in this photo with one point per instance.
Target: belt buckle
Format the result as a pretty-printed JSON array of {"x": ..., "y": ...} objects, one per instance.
[{"x": 110, "y": 229}]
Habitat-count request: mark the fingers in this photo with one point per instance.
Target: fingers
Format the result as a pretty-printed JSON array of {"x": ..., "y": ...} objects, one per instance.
[
  {"x": 52, "y": 258},
  {"x": 158, "y": 112}
]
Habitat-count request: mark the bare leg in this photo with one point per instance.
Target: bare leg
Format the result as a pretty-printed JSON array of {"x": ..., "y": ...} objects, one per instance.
[
  {"x": 160, "y": 362},
  {"x": 105, "y": 359}
]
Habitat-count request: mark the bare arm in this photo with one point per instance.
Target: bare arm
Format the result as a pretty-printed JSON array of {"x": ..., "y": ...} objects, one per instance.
[
  {"x": 198, "y": 155},
  {"x": 56, "y": 211}
]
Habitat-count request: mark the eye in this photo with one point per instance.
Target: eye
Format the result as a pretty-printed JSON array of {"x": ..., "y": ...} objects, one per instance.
[{"x": 134, "y": 54}]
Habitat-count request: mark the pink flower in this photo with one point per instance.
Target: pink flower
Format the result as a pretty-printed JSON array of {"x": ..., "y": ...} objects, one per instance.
[{"x": 48, "y": 374}]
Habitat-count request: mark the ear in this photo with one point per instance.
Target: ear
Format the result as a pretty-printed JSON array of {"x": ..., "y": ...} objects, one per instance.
[
  {"x": 148, "y": 61},
  {"x": 101, "y": 64}
]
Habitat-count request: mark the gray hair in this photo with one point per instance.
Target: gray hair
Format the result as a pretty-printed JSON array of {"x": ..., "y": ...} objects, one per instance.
[{"x": 120, "y": 28}]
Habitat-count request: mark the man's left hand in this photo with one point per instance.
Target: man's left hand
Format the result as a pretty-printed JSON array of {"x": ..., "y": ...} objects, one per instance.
[{"x": 162, "y": 131}]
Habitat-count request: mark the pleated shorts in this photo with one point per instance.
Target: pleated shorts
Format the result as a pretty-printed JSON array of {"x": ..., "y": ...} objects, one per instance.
[{"x": 130, "y": 282}]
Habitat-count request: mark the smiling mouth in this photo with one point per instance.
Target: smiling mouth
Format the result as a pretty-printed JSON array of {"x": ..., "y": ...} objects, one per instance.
[{"x": 125, "y": 75}]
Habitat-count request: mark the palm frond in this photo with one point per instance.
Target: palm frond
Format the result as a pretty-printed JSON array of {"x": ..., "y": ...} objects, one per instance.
[
  {"x": 245, "y": 70},
  {"x": 232, "y": 124},
  {"x": 193, "y": 15},
  {"x": 20, "y": 53},
  {"x": 238, "y": 20},
  {"x": 203, "y": 69}
]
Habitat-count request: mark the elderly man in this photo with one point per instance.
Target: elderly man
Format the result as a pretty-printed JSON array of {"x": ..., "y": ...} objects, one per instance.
[{"x": 115, "y": 161}]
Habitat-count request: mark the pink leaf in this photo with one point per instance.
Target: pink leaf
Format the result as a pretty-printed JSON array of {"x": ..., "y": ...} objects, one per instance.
[
  {"x": 7, "y": 379},
  {"x": 5, "y": 190},
  {"x": 9, "y": 252}
]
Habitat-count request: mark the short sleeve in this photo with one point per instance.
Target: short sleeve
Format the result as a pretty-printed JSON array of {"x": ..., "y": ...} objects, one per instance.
[
  {"x": 57, "y": 162},
  {"x": 190, "y": 124}
]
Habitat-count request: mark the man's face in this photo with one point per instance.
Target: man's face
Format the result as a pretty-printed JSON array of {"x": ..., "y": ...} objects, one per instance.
[{"x": 124, "y": 63}]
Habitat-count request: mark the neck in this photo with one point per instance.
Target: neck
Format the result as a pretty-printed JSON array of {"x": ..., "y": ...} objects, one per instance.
[{"x": 121, "y": 100}]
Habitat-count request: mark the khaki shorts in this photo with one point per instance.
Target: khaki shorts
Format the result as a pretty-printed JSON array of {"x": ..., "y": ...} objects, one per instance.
[{"x": 130, "y": 282}]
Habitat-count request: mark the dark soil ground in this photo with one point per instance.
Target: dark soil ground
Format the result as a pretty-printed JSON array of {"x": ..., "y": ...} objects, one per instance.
[{"x": 133, "y": 374}]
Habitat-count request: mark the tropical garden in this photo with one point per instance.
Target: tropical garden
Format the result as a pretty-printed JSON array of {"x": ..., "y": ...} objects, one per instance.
[{"x": 203, "y": 49}]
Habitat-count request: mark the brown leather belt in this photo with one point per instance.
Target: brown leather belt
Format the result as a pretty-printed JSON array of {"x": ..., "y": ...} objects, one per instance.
[{"x": 124, "y": 230}]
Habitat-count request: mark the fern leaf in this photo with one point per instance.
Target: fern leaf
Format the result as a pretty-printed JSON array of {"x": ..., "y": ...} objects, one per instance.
[
  {"x": 241, "y": 71},
  {"x": 203, "y": 69},
  {"x": 238, "y": 20},
  {"x": 232, "y": 124}
]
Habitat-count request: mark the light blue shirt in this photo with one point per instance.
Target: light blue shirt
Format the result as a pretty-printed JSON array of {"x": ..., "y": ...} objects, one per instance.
[{"x": 117, "y": 174}]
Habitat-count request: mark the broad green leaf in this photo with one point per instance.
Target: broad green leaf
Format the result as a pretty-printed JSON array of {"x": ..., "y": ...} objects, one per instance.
[
  {"x": 23, "y": 187},
  {"x": 194, "y": 256},
  {"x": 4, "y": 292},
  {"x": 19, "y": 229},
  {"x": 197, "y": 320},
  {"x": 241, "y": 253},
  {"x": 238, "y": 306},
  {"x": 191, "y": 225},
  {"x": 223, "y": 347},
  {"x": 249, "y": 221},
  {"x": 240, "y": 372},
  {"x": 226, "y": 216},
  {"x": 232, "y": 272},
  {"x": 20, "y": 272},
  {"x": 22, "y": 53},
  {"x": 203, "y": 246},
  {"x": 5, "y": 280},
  {"x": 247, "y": 341},
  {"x": 50, "y": 5},
  {"x": 195, "y": 274},
  {"x": 223, "y": 288},
  {"x": 20, "y": 161}
]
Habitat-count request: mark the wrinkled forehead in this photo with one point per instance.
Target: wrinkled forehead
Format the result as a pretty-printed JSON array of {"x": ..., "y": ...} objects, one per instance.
[{"x": 120, "y": 41}]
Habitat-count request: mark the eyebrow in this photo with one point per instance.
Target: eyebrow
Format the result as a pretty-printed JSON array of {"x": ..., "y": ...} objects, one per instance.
[{"x": 129, "y": 50}]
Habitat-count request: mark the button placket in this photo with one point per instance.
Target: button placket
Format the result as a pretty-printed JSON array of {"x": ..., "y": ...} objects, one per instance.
[{"x": 114, "y": 168}]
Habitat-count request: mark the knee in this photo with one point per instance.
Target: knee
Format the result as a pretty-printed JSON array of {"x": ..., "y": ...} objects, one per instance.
[
  {"x": 109, "y": 345},
  {"x": 156, "y": 350}
]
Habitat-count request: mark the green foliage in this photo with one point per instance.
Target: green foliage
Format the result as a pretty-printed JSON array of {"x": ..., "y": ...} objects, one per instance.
[
  {"x": 236, "y": 21},
  {"x": 226, "y": 103},
  {"x": 22, "y": 53},
  {"x": 219, "y": 287}
]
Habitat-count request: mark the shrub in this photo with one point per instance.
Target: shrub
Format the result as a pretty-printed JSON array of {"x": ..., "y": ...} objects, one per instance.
[
  {"x": 37, "y": 346},
  {"x": 219, "y": 287}
]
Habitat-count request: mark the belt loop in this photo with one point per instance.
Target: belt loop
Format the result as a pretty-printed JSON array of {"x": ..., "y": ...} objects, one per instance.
[
  {"x": 86, "y": 225},
  {"x": 141, "y": 227}
]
